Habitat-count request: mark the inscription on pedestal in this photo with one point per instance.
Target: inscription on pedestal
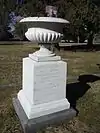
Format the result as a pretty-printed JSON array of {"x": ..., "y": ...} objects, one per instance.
[{"x": 50, "y": 82}]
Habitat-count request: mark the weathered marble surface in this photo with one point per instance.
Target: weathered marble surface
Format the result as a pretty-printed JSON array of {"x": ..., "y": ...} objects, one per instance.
[{"x": 44, "y": 87}]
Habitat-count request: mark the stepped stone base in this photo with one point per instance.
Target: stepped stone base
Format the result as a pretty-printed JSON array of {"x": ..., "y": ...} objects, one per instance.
[{"x": 32, "y": 125}]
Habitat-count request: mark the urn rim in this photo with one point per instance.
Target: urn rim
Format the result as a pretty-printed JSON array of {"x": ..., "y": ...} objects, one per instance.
[{"x": 44, "y": 19}]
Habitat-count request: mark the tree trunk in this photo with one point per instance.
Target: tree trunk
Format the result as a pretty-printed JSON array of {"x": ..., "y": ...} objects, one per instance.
[{"x": 90, "y": 41}]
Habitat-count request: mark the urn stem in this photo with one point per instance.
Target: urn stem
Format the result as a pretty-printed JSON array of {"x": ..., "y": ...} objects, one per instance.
[{"x": 44, "y": 51}]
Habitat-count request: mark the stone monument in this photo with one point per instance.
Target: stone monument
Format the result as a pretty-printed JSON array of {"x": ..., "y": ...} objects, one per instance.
[
  {"x": 43, "y": 94},
  {"x": 51, "y": 11}
]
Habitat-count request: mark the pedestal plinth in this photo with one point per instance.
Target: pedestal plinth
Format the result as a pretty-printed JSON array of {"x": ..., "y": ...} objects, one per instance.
[
  {"x": 33, "y": 125},
  {"x": 44, "y": 87}
]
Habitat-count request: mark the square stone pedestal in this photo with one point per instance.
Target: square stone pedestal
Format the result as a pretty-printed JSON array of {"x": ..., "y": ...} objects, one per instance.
[
  {"x": 42, "y": 99},
  {"x": 44, "y": 87}
]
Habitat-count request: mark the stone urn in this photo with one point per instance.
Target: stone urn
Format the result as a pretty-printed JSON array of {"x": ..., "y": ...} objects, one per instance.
[{"x": 45, "y": 31}]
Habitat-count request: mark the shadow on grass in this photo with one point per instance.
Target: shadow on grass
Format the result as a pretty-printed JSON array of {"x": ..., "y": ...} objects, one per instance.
[{"x": 76, "y": 90}]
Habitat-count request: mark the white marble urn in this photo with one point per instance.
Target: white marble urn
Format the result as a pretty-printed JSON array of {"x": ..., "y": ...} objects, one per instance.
[{"x": 45, "y": 31}]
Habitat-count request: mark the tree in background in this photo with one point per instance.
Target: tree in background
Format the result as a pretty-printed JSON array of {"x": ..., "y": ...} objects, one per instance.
[
  {"x": 97, "y": 2},
  {"x": 84, "y": 15},
  {"x": 5, "y": 7},
  {"x": 31, "y": 8}
]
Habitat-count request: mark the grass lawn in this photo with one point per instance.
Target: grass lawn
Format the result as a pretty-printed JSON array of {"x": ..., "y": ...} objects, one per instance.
[{"x": 79, "y": 63}]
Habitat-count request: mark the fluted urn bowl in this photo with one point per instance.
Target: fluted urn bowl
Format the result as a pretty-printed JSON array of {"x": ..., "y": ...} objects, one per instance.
[
  {"x": 45, "y": 31},
  {"x": 41, "y": 35}
]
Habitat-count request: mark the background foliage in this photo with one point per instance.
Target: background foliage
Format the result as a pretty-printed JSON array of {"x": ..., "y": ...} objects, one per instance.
[{"x": 84, "y": 15}]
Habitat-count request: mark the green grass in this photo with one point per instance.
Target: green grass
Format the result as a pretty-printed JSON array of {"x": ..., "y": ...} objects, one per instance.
[{"x": 79, "y": 63}]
